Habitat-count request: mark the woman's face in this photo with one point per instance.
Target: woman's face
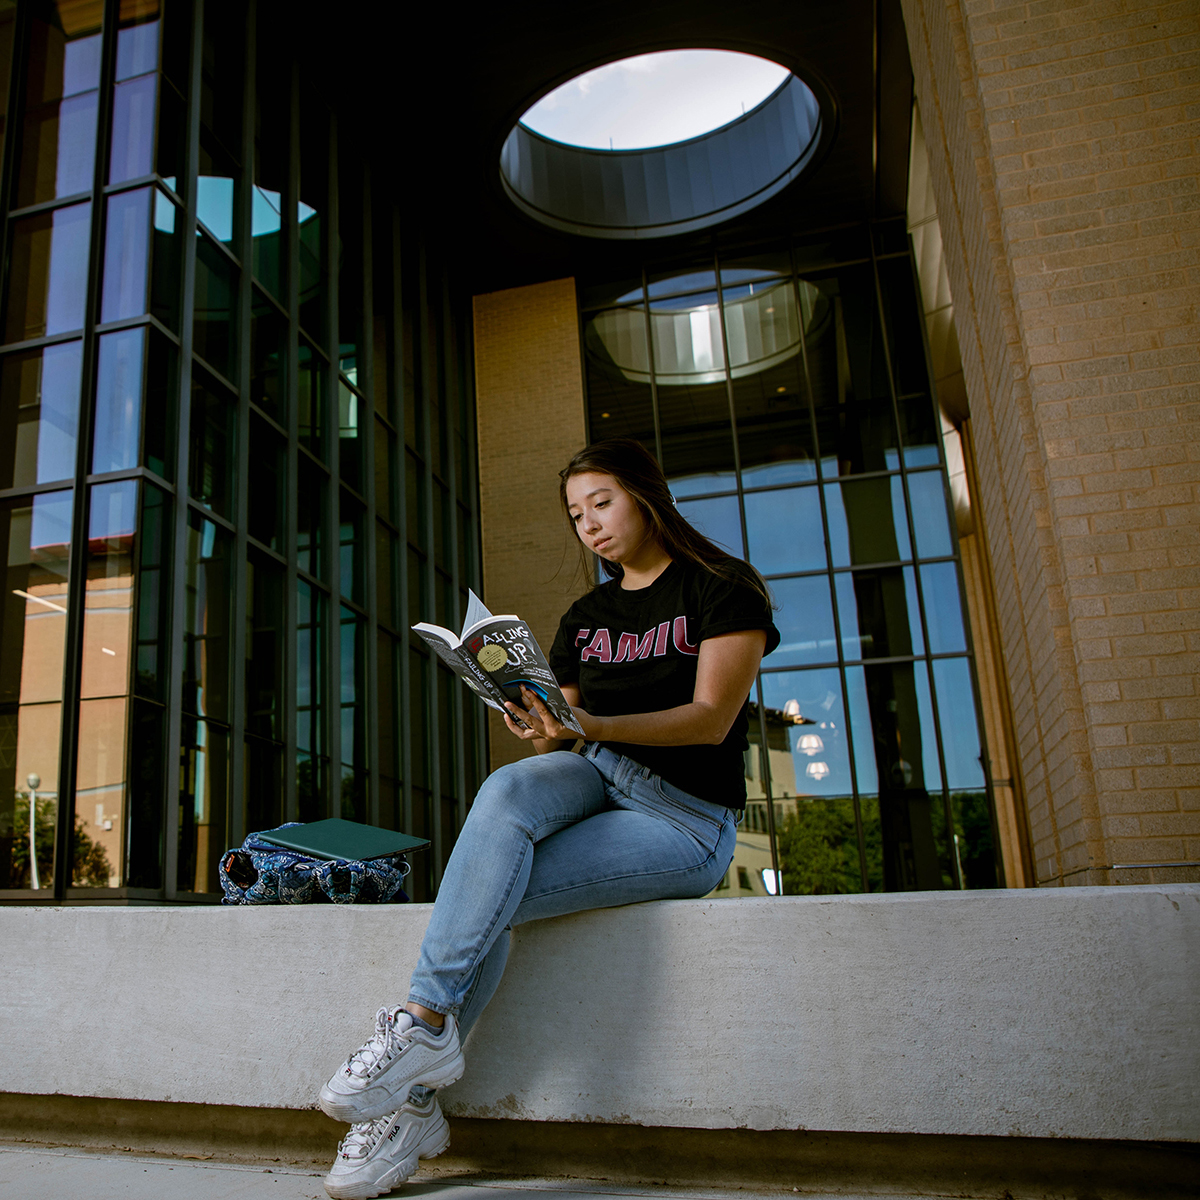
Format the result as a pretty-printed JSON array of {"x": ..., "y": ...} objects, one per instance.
[{"x": 606, "y": 517}]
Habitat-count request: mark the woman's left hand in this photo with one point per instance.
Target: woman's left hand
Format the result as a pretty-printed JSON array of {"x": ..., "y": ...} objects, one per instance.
[{"x": 542, "y": 723}]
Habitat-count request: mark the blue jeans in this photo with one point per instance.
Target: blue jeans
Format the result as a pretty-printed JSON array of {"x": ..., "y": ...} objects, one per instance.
[{"x": 557, "y": 834}]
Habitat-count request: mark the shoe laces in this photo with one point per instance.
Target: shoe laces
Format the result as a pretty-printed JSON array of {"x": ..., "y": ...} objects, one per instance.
[
  {"x": 383, "y": 1045},
  {"x": 364, "y": 1137}
]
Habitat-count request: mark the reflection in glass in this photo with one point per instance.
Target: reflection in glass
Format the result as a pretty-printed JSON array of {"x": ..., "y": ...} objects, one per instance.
[
  {"x": 351, "y": 549},
  {"x": 878, "y": 613},
  {"x": 165, "y": 266},
  {"x": 820, "y": 751},
  {"x": 153, "y": 597},
  {"x": 266, "y": 483},
  {"x": 867, "y": 522},
  {"x": 101, "y": 776},
  {"x": 39, "y": 414},
  {"x": 717, "y": 519},
  {"x": 35, "y": 538},
  {"x": 206, "y": 633},
  {"x": 697, "y": 438},
  {"x": 203, "y": 804},
  {"x": 118, "y": 420},
  {"x": 928, "y": 496},
  {"x": 775, "y": 432},
  {"x": 899, "y": 722},
  {"x": 214, "y": 203},
  {"x": 58, "y": 142},
  {"x": 960, "y": 733},
  {"x": 47, "y": 273},
  {"x": 271, "y": 145},
  {"x": 268, "y": 358},
  {"x": 353, "y": 714},
  {"x": 137, "y": 45},
  {"x": 262, "y": 783},
  {"x": 310, "y": 207},
  {"x": 805, "y": 622},
  {"x": 126, "y": 255},
  {"x": 132, "y": 153},
  {"x": 619, "y": 400},
  {"x": 265, "y": 637},
  {"x": 211, "y": 458},
  {"x": 312, "y": 766},
  {"x": 943, "y": 608},
  {"x": 147, "y": 733},
  {"x": 310, "y": 517},
  {"x": 311, "y": 399},
  {"x": 784, "y": 531},
  {"x": 216, "y": 281},
  {"x": 818, "y": 848},
  {"x": 266, "y": 224},
  {"x": 350, "y": 444}
]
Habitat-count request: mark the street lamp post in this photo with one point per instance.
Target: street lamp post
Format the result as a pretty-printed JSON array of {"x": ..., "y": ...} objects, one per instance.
[{"x": 34, "y": 781}]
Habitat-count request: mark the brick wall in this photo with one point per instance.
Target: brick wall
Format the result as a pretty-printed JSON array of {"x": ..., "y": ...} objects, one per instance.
[
  {"x": 1062, "y": 138},
  {"x": 529, "y": 388}
]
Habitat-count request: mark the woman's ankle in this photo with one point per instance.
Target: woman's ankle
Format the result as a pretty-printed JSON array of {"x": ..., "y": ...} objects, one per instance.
[{"x": 436, "y": 1019}]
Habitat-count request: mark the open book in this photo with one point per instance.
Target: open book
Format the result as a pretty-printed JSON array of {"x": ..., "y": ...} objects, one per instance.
[{"x": 494, "y": 656}]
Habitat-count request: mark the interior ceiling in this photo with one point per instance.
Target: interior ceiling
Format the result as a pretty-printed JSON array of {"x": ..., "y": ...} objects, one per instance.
[{"x": 432, "y": 96}]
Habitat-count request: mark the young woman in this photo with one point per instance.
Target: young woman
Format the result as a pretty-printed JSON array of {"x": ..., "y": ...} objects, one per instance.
[{"x": 657, "y": 662}]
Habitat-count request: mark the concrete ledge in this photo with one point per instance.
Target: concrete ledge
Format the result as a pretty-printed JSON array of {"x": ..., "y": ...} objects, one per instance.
[
  {"x": 1065, "y": 1013},
  {"x": 764, "y": 1160}
]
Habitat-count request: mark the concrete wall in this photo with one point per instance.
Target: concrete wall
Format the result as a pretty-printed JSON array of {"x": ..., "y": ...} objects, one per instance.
[
  {"x": 529, "y": 385},
  {"x": 1039, "y": 1013},
  {"x": 1062, "y": 148}
]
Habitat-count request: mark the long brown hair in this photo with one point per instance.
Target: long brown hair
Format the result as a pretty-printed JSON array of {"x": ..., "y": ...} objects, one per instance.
[{"x": 638, "y": 472}]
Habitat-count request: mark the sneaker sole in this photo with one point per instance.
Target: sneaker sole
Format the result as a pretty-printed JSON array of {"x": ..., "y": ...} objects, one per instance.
[
  {"x": 393, "y": 1178},
  {"x": 352, "y": 1110}
]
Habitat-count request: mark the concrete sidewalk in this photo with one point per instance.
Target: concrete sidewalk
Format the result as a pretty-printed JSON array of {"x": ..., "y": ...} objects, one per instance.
[{"x": 87, "y": 1175}]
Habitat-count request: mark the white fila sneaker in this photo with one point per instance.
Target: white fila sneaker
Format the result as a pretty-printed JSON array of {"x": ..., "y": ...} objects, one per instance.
[
  {"x": 376, "y": 1156},
  {"x": 377, "y": 1077}
]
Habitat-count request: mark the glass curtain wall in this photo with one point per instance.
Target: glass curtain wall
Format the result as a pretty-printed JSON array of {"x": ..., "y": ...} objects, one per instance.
[
  {"x": 787, "y": 396},
  {"x": 235, "y": 462}
]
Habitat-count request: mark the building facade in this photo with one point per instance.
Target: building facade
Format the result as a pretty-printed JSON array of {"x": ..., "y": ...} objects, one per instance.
[{"x": 270, "y": 369}]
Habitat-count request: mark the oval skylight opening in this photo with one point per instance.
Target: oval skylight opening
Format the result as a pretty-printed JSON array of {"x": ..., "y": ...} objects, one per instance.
[{"x": 654, "y": 99}]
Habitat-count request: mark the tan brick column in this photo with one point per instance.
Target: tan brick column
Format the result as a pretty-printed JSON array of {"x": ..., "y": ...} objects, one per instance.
[
  {"x": 1062, "y": 139},
  {"x": 529, "y": 390}
]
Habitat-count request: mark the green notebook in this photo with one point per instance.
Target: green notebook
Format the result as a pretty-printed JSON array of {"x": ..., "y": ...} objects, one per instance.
[{"x": 335, "y": 838}]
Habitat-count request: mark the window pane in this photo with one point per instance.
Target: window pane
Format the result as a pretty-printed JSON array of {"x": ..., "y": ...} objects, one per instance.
[
  {"x": 126, "y": 255},
  {"x": 697, "y": 437},
  {"x": 58, "y": 143},
  {"x": 216, "y": 281},
  {"x": 266, "y": 483},
  {"x": 47, "y": 274},
  {"x": 385, "y": 458},
  {"x": 878, "y": 613},
  {"x": 818, "y": 848},
  {"x": 207, "y": 641},
  {"x": 265, "y": 634},
  {"x": 311, "y": 399},
  {"x": 310, "y": 700},
  {"x": 35, "y": 535},
  {"x": 352, "y": 551},
  {"x": 618, "y": 375},
  {"x": 805, "y": 623},
  {"x": 386, "y": 550},
  {"x": 353, "y": 689},
  {"x": 867, "y": 522},
  {"x": 118, "y": 400},
  {"x": 775, "y": 436},
  {"x": 350, "y": 443},
  {"x": 132, "y": 153},
  {"x": 960, "y": 734},
  {"x": 820, "y": 752},
  {"x": 262, "y": 783},
  {"x": 212, "y": 458},
  {"x": 310, "y": 518},
  {"x": 311, "y": 212},
  {"x": 39, "y": 414},
  {"x": 203, "y": 804},
  {"x": 943, "y": 608},
  {"x": 271, "y": 144},
  {"x": 718, "y": 520},
  {"x": 928, "y": 495},
  {"x": 137, "y": 44},
  {"x": 784, "y": 530},
  {"x": 165, "y": 277},
  {"x": 268, "y": 359},
  {"x": 153, "y": 596}
]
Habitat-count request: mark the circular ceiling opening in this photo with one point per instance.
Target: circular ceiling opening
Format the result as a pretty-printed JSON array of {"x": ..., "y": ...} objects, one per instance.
[{"x": 662, "y": 144}]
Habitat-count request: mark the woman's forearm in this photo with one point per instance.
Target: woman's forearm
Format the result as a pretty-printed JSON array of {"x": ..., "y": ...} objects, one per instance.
[{"x": 694, "y": 724}]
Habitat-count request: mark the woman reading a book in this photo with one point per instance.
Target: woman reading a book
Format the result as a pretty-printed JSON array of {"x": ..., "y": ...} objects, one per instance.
[{"x": 657, "y": 662}]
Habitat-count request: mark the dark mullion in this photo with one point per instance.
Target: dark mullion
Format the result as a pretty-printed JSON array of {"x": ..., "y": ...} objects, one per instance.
[
  {"x": 400, "y": 399},
  {"x": 427, "y": 388},
  {"x": 290, "y": 230},
  {"x": 235, "y": 816},
  {"x": 179, "y": 550},
  {"x": 451, "y": 415},
  {"x": 77, "y": 566},
  {"x": 366, "y": 378},
  {"x": 332, "y": 711},
  {"x": 839, "y": 645},
  {"x": 884, "y": 331},
  {"x": 658, "y": 450}
]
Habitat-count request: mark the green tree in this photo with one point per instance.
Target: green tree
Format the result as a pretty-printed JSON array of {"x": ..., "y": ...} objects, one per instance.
[{"x": 91, "y": 867}]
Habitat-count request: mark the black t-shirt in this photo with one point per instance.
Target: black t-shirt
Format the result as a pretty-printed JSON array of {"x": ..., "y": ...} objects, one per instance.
[{"x": 637, "y": 651}]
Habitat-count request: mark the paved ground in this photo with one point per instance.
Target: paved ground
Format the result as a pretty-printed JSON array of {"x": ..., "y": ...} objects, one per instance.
[{"x": 85, "y": 1175}]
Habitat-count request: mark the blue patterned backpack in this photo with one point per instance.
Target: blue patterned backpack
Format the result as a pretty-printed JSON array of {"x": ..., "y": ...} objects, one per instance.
[{"x": 261, "y": 873}]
